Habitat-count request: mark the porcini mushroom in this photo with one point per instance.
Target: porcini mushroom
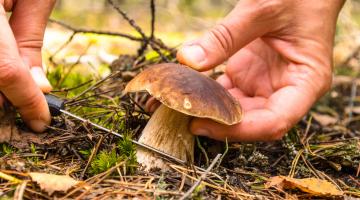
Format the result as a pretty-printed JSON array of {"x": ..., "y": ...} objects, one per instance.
[{"x": 183, "y": 93}]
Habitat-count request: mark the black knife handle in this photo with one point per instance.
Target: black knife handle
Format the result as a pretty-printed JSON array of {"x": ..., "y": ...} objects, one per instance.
[{"x": 55, "y": 104}]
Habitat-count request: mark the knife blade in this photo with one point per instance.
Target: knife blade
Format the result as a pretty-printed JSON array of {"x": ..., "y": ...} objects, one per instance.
[{"x": 57, "y": 107}]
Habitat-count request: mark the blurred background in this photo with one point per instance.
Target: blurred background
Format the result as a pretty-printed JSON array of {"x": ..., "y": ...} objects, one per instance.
[{"x": 176, "y": 21}]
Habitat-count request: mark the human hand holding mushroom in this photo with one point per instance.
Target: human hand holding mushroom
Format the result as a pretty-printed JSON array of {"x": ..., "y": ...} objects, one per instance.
[{"x": 279, "y": 63}]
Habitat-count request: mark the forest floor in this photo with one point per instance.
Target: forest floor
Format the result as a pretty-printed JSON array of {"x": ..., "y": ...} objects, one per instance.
[{"x": 74, "y": 160}]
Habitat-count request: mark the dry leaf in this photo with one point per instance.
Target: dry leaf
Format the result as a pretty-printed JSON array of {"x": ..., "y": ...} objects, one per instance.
[
  {"x": 9, "y": 133},
  {"x": 313, "y": 186},
  {"x": 7, "y": 127},
  {"x": 52, "y": 183},
  {"x": 324, "y": 120}
]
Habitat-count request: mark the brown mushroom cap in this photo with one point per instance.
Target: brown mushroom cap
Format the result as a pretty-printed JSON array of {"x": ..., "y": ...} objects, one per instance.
[{"x": 187, "y": 91}]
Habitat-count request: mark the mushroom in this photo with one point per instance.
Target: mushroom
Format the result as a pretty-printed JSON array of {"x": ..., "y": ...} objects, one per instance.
[{"x": 184, "y": 93}]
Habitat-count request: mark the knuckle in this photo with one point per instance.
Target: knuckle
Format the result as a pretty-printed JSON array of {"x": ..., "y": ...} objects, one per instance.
[
  {"x": 35, "y": 44},
  {"x": 9, "y": 72},
  {"x": 268, "y": 8},
  {"x": 221, "y": 34}
]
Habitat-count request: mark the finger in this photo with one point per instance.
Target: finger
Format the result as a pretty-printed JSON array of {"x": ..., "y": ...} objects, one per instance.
[
  {"x": 28, "y": 22},
  {"x": 271, "y": 122},
  {"x": 246, "y": 22},
  {"x": 40, "y": 79},
  {"x": 225, "y": 81},
  {"x": 248, "y": 103},
  {"x": 16, "y": 82},
  {"x": 252, "y": 68},
  {"x": 7, "y": 5},
  {"x": 256, "y": 125}
]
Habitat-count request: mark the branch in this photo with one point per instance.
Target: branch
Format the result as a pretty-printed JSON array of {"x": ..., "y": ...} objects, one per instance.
[
  {"x": 146, "y": 40},
  {"x": 128, "y": 19},
  {"x": 152, "y": 9},
  {"x": 156, "y": 44},
  {"x": 83, "y": 30}
]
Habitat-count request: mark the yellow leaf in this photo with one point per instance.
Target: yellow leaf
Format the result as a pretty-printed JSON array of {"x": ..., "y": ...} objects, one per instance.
[
  {"x": 52, "y": 183},
  {"x": 310, "y": 185}
]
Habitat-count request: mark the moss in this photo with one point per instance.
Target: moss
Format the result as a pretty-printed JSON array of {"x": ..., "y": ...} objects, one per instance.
[
  {"x": 104, "y": 161},
  {"x": 127, "y": 151},
  {"x": 124, "y": 151},
  {"x": 6, "y": 149}
]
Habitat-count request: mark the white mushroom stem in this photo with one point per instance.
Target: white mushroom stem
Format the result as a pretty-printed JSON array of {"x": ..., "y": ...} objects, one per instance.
[{"x": 167, "y": 130}]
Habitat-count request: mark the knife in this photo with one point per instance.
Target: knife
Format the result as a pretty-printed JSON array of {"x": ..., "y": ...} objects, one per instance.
[{"x": 57, "y": 107}]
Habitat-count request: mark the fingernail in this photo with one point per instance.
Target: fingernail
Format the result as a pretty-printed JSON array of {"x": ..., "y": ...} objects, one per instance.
[
  {"x": 37, "y": 125},
  {"x": 40, "y": 79},
  {"x": 193, "y": 55},
  {"x": 202, "y": 132}
]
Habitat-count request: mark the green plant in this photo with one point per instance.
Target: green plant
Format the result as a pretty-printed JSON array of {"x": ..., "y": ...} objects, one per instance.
[
  {"x": 104, "y": 161},
  {"x": 6, "y": 149},
  {"x": 85, "y": 152},
  {"x": 127, "y": 151},
  {"x": 197, "y": 194},
  {"x": 6, "y": 197},
  {"x": 33, "y": 150},
  {"x": 61, "y": 78},
  {"x": 124, "y": 151},
  {"x": 127, "y": 148}
]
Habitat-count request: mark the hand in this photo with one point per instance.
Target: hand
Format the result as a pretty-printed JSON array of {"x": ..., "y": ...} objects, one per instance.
[
  {"x": 22, "y": 80},
  {"x": 280, "y": 63}
]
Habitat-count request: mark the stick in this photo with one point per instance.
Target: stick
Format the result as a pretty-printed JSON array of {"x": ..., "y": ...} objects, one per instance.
[
  {"x": 202, "y": 177},
  {"x": 128, "y": 19},
  {"x": 152, "y": 8},
  {"x": 93, "y": 154},
  {"x": 83, "y": 30}
]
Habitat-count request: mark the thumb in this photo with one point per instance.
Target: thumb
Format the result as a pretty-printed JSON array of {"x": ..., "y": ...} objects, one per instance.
[{"x": 246, "y": 22}]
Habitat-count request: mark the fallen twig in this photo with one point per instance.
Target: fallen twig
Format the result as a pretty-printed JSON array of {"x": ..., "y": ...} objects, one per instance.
[{"x": 202, "y": 177}]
